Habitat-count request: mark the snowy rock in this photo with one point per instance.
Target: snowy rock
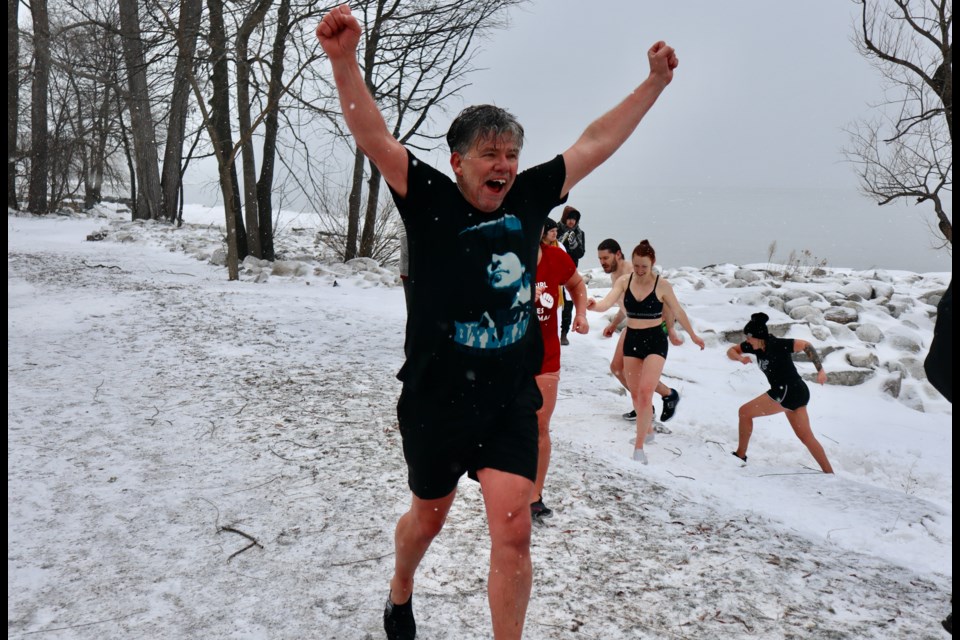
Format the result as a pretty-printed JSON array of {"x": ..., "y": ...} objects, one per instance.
[
  {"x": 363, "y": 264},
  {"x": 898, "y": 305},
  {"x": 807, "y": 313},
  {"x": 910, "y": 396},
  {"x": 910, "y": 366},
  {"x": 869, "y": 333},
  {"x": 794, "y": 294},
  {"x": 289, "y": 268},
  {"x": 262, "y": 277},
  {"x": 793, "y": 303},
  {"x": 892, "y": 384},
  {"x": 776, "y": 303},
  {"x": 863, "y": 358},
  {"x": 820, "y": 332},
  {"x": 841, "y": 315},
  {"x": 251, "y": 264},
  {"x": 736, "y": 284},
  {"x": 847, "y": 378},
  {"x": 219, "y": 258},
  {"x": 857, "y": 290},
  {"x": 903, "y": 339},
  {"x": 882, "y": 291},
  {"x": 932, "y": 297},
  {"x": 841, "y": 332},
  {"x": 746, "y": 275}
]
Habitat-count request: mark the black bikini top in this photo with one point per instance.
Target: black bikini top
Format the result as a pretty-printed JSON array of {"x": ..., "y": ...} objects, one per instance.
[{"x": 650, "y": 308}]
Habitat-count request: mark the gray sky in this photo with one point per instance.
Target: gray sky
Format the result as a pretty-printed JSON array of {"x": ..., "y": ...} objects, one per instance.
[
  {"x": 762, "y": 94},
  {"x": 762, "y": 97}
]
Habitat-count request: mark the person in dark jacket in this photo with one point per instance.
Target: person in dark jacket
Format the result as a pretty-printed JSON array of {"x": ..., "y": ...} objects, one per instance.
[
  {"x": 938, "y": 366},
  {"x": 574, "y": 241}
]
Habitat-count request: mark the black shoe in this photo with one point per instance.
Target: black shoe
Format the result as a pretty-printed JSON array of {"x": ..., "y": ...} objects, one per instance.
[
  {"x": 563, "y": 340},
  {"x": 398, "y": 620},
  {"x": 744, "y": 458},
  {"x": 669, "y": 405},
  {"x": 630, "y": 415},
  {"x": 948, "y": 623},
  {"x": 540, "y": 510}
]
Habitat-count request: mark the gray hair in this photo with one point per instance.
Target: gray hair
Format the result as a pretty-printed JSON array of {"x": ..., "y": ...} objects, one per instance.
[{"x": 480, "y": 122}]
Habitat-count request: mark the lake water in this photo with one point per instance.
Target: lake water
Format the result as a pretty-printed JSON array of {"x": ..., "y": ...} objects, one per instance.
[{"x": 697, "y": 227}]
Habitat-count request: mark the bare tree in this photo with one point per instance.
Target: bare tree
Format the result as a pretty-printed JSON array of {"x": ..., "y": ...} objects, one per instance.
[
  {"x": 142, "y": 124},
  {"x": 39, "y": 140},
  {"x": 13, "y": 98},
  {"x": 907, "y": 152},
  {"x": 171, "y": 179},
  {"x": 416, "y": 54}
]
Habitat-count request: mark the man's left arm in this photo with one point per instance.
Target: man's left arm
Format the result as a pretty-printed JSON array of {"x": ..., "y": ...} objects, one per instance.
[{"x": 608, "y": 132}]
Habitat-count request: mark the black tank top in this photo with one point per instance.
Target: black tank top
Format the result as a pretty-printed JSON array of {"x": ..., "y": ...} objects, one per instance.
[{"x": 650, "y": 308}]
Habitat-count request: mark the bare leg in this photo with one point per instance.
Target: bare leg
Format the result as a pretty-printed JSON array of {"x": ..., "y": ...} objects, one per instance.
[
  {"x": 416, "y": 529},
  {"x": 762, "y": 405},
  {"x": 616, "y": 364},
  {"x": 643, "y": 376},
  {"x": 548, "y": 384},
  {"x": 800, "y": 421},
  {"x": 507, "y": 500},
  {"x": 616, "y": 368}
]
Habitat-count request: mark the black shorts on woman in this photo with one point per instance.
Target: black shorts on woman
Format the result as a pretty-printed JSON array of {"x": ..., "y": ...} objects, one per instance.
[
  {"x": 640, "y": 343},
  {"x": 790, "y": 395}
]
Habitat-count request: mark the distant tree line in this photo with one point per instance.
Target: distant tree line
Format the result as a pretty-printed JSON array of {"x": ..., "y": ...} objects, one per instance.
[{"x": 110, "y": 98}]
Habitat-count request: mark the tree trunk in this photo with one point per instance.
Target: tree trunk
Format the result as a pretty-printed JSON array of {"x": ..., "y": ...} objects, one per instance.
[
  {"x": 245, "y": 132},
  {"x": 39, "y": 139},
  {"x": 370, "y": 219},
  {"x": 271, "y": 126},
  {"x": 13, "y": 99},
  {"x": 353, "y": 208},
  {"x": 141, "y": 117},
  {"x": 170, "y": 180},
  {"x": 220, "y": 116}
]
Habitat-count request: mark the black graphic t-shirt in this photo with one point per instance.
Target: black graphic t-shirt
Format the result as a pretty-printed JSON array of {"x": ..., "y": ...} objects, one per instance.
[
  {"x": 471, "y": 324},
  {"x": 776, "y": 360}
]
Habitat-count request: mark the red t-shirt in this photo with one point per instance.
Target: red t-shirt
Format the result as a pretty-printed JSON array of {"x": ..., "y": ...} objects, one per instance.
[{"x": 554, "y": 269}]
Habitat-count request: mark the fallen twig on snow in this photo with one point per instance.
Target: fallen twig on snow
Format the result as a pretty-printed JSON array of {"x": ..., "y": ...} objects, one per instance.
[{"x": 253, "y": 541}]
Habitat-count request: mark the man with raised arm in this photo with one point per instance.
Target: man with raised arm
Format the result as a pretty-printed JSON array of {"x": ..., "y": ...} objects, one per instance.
[{"x": 469, "y": 399}]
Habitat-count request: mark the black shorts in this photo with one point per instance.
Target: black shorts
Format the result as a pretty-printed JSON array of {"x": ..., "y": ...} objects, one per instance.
[
  {"x": 641, "y": 343},
  {"x": 792, "y": 395},
  {"x": 441, "y": 443}
]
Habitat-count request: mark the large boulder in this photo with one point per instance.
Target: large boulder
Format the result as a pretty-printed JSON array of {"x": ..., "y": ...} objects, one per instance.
[
  {"x": 746, "y": 275},
  {"x": 857, "y": 290},
  {"x": 910, "y": 366},
  {"x": 869, "y": 333},
  {"x": 363, "y": 264},
  {"x": 863, "y": 358},
  {"x": 793, "y": 294},
  {"x": 845, "y": 378},
  {"x": 289, "y": 268},
  {"x": 840, "y": 332},
  {"x": 903, "y": 339},
  {"x": 807, "y": 313},
  {"x": 841, "y": 315},
  {"x": 891, "y": 384},
  {"x": 882, "y": 291}
]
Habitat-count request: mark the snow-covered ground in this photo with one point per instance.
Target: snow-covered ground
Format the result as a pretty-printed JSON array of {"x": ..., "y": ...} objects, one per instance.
[{"x": 163, "y": 419}]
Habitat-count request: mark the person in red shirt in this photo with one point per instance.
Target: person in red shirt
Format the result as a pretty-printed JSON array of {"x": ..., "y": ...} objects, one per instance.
[{"x": 555, "y": 271}]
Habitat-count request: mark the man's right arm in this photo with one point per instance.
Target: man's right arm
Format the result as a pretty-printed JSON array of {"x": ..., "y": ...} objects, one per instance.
[{"x": 339, "y": 34}]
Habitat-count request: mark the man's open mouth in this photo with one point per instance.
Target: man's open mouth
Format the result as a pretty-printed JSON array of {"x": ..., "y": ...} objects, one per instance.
[{"x": 496, "y": 185}]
